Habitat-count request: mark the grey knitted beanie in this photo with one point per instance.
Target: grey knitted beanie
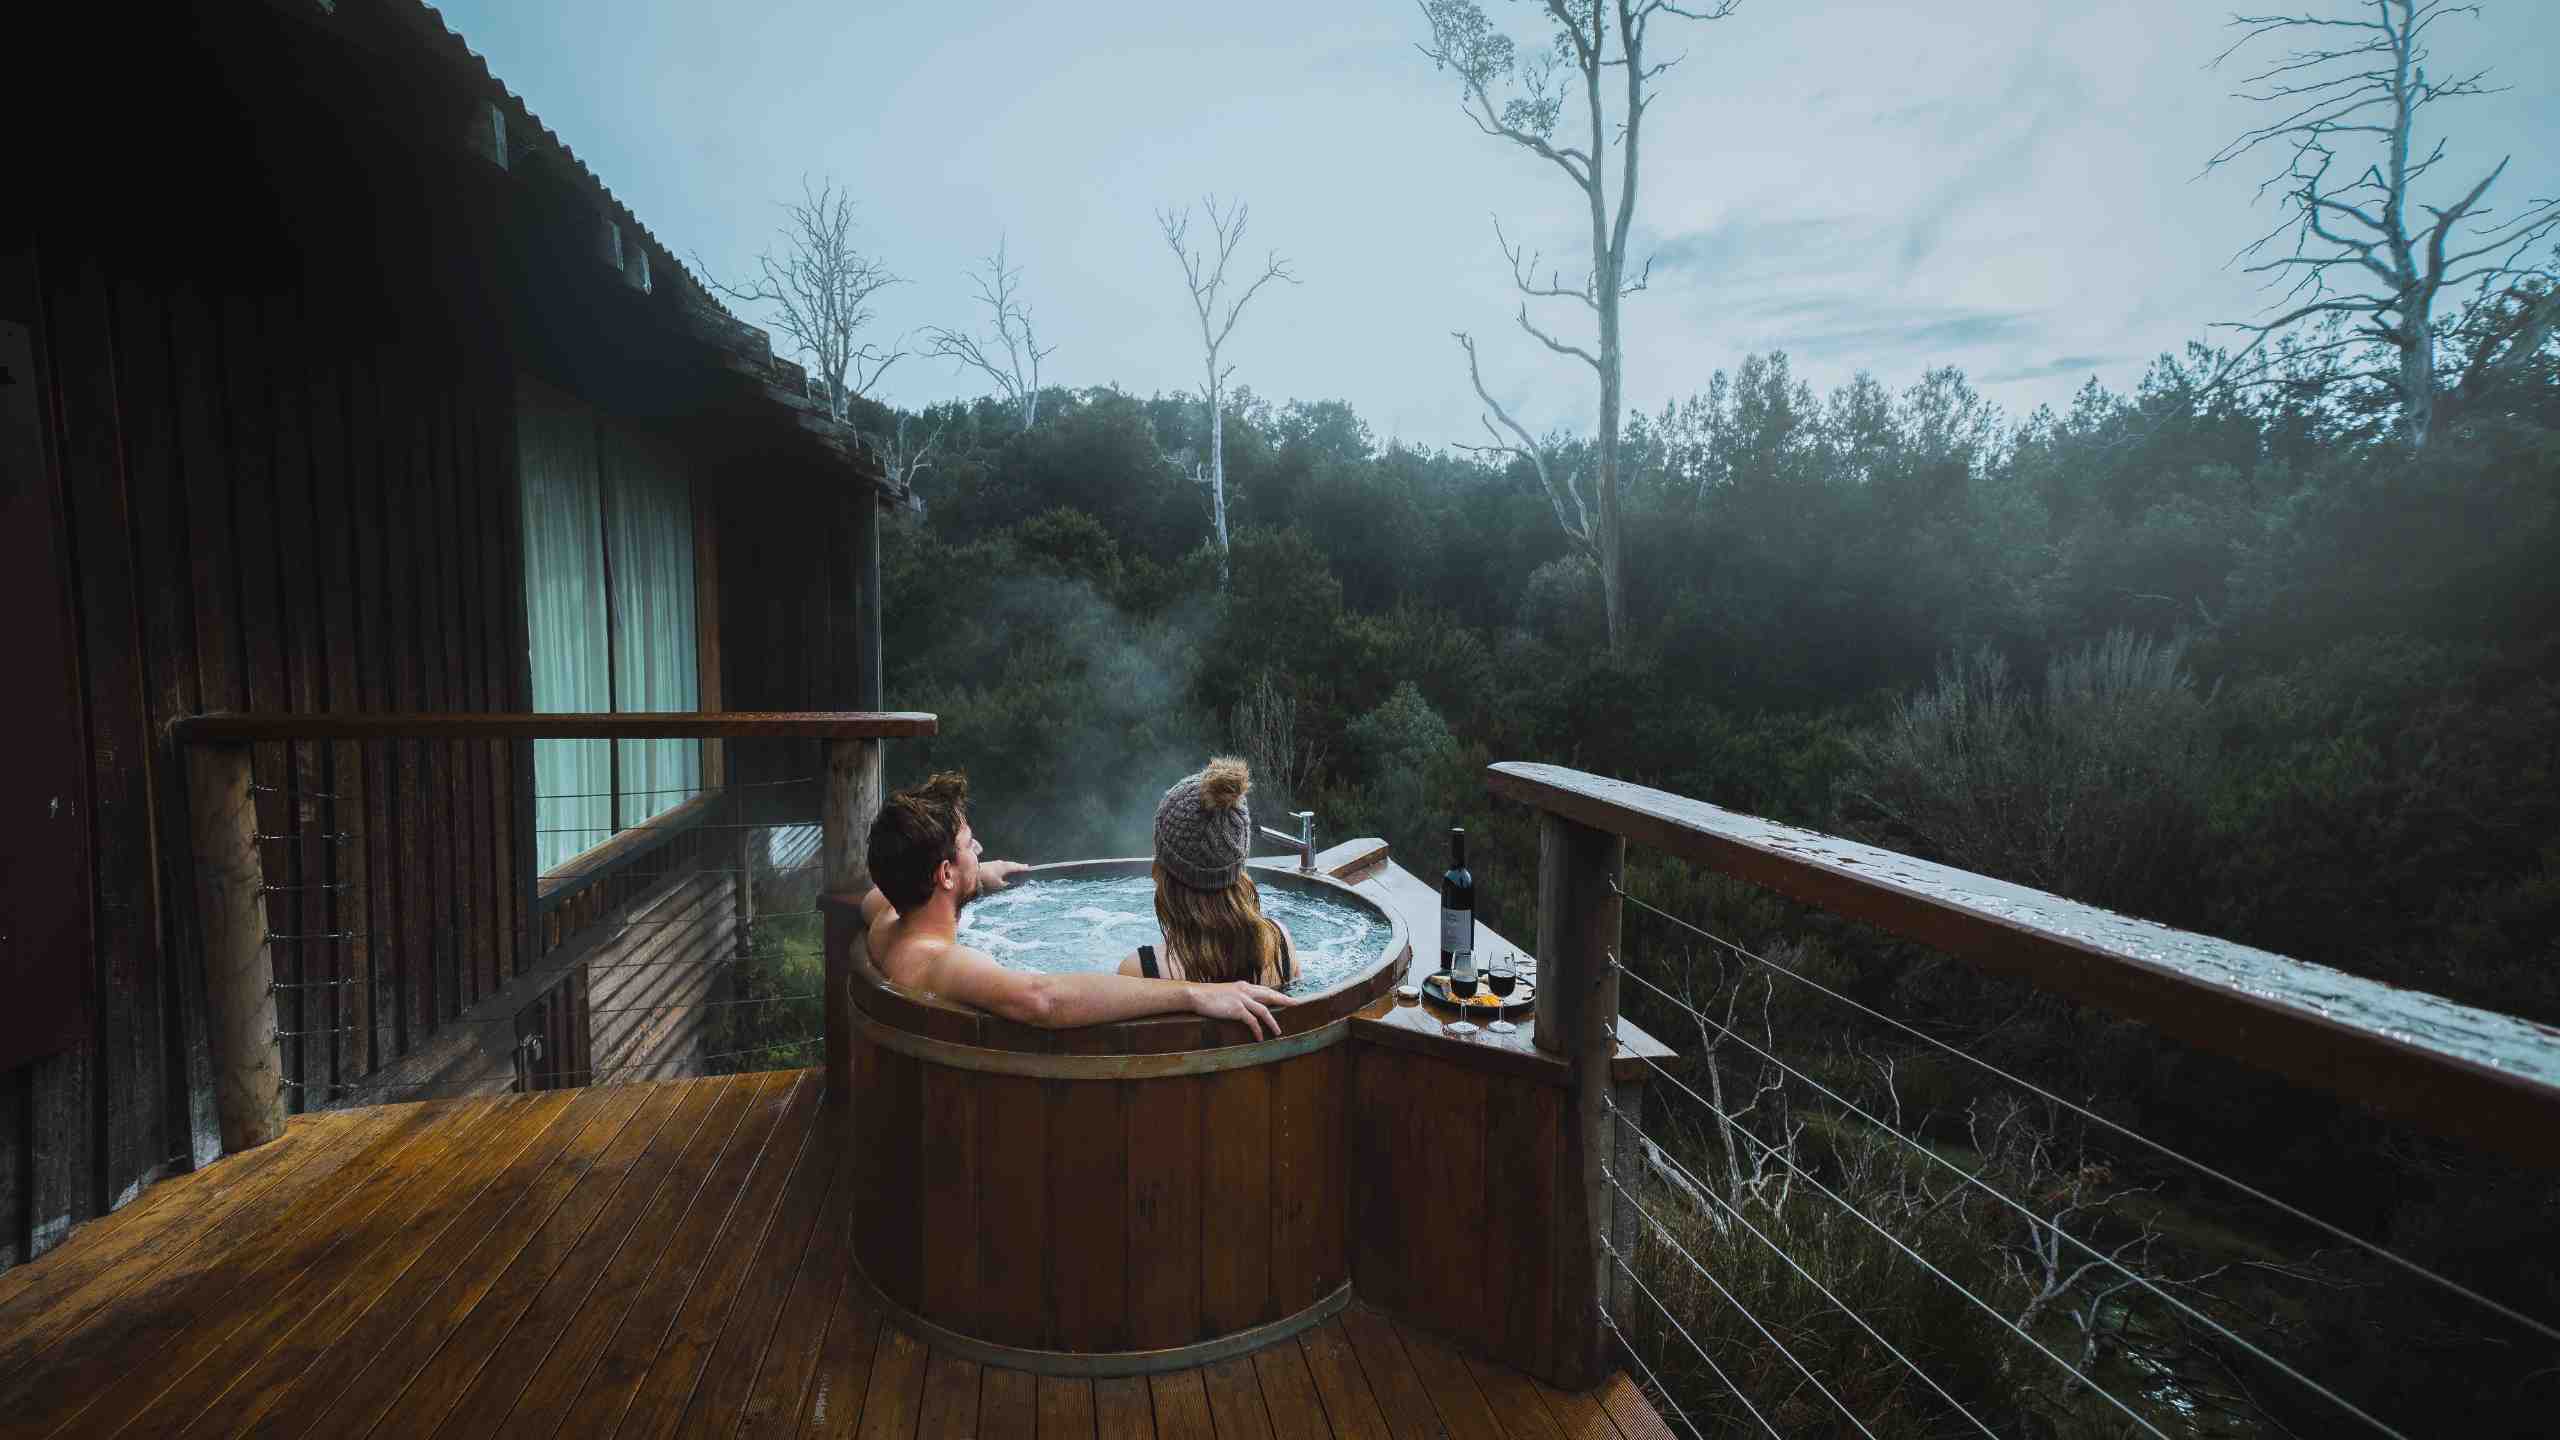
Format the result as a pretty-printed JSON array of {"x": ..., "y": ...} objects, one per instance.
[{"x": 1203, "y": 829}]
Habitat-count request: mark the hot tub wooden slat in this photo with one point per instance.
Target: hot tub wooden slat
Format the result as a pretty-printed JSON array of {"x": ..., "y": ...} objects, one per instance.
[
  {"x": 948, "y": 1179},
  {"x": 1235, "y": 1223},
  {"x": 1089, "y": 1195},
  {"x": 1164, "y": 1212},
  {"x": 1015, "y": 1214},
  {"x": 889, "y": 1216},
  {"x": 1307, "y": 1235}
]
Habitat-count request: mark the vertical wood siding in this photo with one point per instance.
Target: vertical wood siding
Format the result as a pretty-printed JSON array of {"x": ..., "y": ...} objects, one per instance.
[{"x": 224, "y": 467}]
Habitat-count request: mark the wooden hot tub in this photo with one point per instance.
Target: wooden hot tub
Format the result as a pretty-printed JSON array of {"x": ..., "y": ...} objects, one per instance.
[{"x": 1109, "y": 1200}]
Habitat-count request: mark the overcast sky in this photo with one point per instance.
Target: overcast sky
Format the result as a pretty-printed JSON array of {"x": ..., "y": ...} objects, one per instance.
[{"x": 2006, "y": 185}]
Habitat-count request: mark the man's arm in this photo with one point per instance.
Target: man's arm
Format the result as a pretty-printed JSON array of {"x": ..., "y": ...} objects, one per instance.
[
  {"x": 1094, "y": 998},
  {"x": 874, "y": 905}
]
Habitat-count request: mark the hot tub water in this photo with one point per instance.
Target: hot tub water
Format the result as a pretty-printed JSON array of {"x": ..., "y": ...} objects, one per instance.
[{"x": 1063, "y": 925}]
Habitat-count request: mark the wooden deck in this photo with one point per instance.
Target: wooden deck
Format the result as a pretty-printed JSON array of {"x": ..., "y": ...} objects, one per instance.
[{"x": 657, "y": 1259}]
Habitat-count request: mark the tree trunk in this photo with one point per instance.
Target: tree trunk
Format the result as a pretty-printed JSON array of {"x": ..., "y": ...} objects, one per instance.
[
  {"x": 1605, "y": 537},
  {"x": 1218, "y": 480},
  {"x": 2418, "y": 379}
]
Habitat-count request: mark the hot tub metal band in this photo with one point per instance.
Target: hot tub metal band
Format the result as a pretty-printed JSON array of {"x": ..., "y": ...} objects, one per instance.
[
  {"x": 1104, "y": 1364},
  {"x": 1097, "y": 1067}
]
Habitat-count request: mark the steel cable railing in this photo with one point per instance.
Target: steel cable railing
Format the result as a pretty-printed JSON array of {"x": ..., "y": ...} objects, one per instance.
[
  {"x": 2031, "y": 1217},
  {"x": 332, "y": 941},
  {"x": 2119, "y": 1274},
  {"x": 1736, "y": 1215},
  {"x": 1853, "y": 1210},
  {"x": 2294, "y": 1212}
]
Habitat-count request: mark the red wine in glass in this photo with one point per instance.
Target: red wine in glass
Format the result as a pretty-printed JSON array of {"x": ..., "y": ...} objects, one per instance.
[
  {"x": 1463, "y": 986},
  {"x": 1502, "y": 977}
]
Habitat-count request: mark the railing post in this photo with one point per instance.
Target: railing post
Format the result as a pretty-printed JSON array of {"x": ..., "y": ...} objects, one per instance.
[
  {"x": 852, "y": 799},
  {"x": 1577, "y": 1018},
  {"x": 248, "y": 1078}
]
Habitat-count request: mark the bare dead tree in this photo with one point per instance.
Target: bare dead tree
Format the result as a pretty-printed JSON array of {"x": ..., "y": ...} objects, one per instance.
[
  {"x": 1204, "y": 271},
  {"x": 1264, "y": 728},
  {"x": 2351, "y": 164},
  {"x": 1017, "y": 372},
  {"x": 903, "y": 458},
  {"x": 817, "y": 285},
  {"x": 1526, "y": 113}
]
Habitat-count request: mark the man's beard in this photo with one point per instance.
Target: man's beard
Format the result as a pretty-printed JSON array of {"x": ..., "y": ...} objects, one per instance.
[{"x": 960, "y": 899}]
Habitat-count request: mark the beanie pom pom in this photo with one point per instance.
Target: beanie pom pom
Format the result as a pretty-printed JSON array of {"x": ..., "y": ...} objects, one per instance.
[{"x": 1223, "y": 784}]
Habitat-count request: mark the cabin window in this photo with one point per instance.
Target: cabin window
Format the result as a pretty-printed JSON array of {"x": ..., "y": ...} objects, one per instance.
[{"x": 609, "y": 604}]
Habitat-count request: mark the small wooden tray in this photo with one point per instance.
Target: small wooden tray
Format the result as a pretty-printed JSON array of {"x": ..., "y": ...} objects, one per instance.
[{"x": 1435, "y": 988}]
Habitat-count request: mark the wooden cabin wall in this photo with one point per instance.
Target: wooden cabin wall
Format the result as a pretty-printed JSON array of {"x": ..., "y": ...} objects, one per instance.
[
  {"x": 790, "y": 618},
  {"x": 284, "y": 463}
]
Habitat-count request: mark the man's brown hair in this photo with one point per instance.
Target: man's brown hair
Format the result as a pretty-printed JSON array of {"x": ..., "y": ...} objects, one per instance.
[{"x": 916, "y": 831}]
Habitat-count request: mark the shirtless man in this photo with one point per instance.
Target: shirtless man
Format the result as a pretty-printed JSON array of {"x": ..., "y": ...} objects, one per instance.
[{"x": 925, "y": 869}]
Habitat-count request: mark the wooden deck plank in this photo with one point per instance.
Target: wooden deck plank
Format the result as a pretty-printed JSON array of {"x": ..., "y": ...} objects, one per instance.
[
  {"x": 1289, "y": 1393},
  {"x": 376, "y": 1303},
  {"x": 1008, "y": 1405},
  {"x": 1629, "y": 1410},
  {"x": 839, "y": 1383},
  {"x": 110, "y": 1251},
  {"x": 369, "y": 1255},
  {"x": 1066, "y": 1408},
  {"x": 889, "y": 1407},
  {"x": 818, "y": 1290},
  {"x": 1515, "y": 1401},
  {"x": 1400, "y": 1393},
  {"x": 1122, "y": 1407},
  {"x": 751, "y": 1330},
  {"x": 1350, "y": 1405},
  {"x": 1182, "y": 1406},
  {"x": 658, "y": 1406},
  {"x": 157, "y": 1329},
  {"x": 551, "y": 1346},
  {"x": 1235, "y": 1399},
  {"x": 621, "y": 1363},
  {"x": 193, "y": 1248},
  {"x": 1577, "y": 1413},
  {"x": 455, "y": 1328},
  {"x": 950, "y": 1409},
  {"x": 1453, "y": 1388}
]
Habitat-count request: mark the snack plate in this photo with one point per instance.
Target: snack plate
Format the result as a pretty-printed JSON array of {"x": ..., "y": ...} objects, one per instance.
[{"x": 1435, "y": 988}]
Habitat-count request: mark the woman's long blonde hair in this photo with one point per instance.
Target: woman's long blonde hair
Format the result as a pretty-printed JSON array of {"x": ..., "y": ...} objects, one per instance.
[{"x": 1220, "y": 935}]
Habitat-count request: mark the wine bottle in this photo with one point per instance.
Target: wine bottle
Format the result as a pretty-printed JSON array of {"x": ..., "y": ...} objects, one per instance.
[{"x": 1457, "y": 910}]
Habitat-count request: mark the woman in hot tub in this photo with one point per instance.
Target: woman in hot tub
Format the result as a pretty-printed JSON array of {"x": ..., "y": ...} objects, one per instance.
[{"x": 1214, "y": 928}]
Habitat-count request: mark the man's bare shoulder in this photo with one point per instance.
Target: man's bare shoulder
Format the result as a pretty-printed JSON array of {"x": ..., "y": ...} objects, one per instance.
[{"x": 930, "y": 963}]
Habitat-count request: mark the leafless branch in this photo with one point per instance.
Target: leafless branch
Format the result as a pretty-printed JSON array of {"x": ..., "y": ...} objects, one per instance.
[
  {"x": 1017, "y": 374},
  {"x": 817, "y": 287}
]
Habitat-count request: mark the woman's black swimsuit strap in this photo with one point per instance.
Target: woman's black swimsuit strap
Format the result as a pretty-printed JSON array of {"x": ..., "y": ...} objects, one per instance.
[{"x": 1147, "y": 962}]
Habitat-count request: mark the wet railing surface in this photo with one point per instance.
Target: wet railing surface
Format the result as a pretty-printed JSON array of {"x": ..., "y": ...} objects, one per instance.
[{"x": 2484, "y": 1077}]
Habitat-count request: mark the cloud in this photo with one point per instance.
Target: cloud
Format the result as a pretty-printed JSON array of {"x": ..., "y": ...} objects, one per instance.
[
  {"x": 1872, "y": 330},
  {"x": 2067, "y": 365}
]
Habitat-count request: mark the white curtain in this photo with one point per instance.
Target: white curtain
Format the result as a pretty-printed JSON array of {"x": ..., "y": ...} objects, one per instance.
[
  {"x": 649, "y": 531},
  {"x": 565, "y": 613}
]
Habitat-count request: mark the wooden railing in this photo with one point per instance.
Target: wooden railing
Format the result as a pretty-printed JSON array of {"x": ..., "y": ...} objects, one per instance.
[
  {"x": 230, "y": 873},
  {"x": 2484, "y": 1078}
]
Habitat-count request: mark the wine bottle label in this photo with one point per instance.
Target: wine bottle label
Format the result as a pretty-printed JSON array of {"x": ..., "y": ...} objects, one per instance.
[{"x": 1457, "y": 930}]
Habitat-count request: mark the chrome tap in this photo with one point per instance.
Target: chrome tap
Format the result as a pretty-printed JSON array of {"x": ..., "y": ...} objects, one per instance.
[{"x": 1305, "y": 839}]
